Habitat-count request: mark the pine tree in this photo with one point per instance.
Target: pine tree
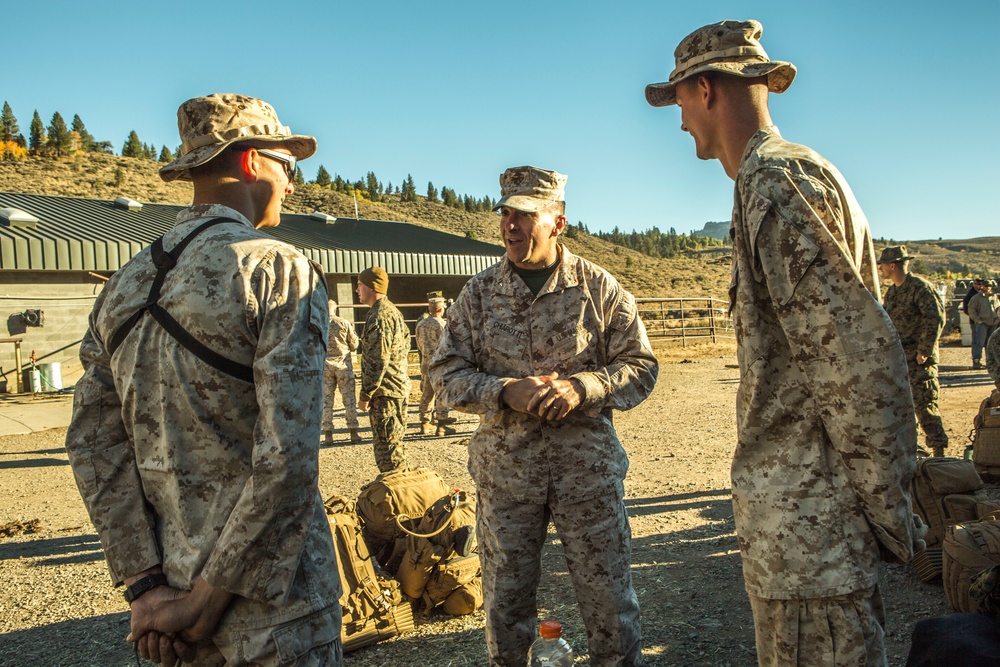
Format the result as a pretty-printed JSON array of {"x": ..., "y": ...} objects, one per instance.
[
  {"x": 8, "y": 124},
  {"x": 432, "y": 193},
  {"x": 322, "y": 177},
  {"x": 86, "y": 138},
  {"x": 299, "y": 178},
  {"x": 166, "y": 155},
  {"x": 133, "y": 147},
  {"x": 36, "y": 142},
  {"x": 409, "y": 192},
  {"x": 372, "y": 186}
]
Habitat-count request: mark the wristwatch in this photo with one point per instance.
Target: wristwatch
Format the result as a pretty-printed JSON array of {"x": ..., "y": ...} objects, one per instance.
[{"x": 144, "y": 585}]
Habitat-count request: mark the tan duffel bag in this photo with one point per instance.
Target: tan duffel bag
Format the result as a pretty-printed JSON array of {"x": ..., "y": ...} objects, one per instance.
[{"x": 969, "y": 548}]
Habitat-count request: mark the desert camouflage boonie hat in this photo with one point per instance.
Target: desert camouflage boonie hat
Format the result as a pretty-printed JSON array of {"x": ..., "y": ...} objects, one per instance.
[
  {"x": 894, "y": 253},
  {"x": 530, "y": 189},
  {"x": 731, "y": 47},
  {"x": 207, "y": 125}
]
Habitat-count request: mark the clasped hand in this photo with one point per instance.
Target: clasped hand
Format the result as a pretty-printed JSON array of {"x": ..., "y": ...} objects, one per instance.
[
  {"x": 167, "y": 622},
  {"x": 544, "y": 396}
]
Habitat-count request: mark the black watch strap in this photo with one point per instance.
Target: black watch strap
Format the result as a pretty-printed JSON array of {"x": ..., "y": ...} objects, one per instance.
[{"x": 144, "y": 585}]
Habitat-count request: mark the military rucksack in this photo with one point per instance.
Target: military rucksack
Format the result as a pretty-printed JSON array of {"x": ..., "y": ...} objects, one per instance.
[
  {"x": 372, "y": 606},
  {"x": 986, "y": 438},
  {"x": 945, "y": 492},
  {"x": 440, "y": 561},
  {"x": 969, "y": 549},
  {"x": 392, "y": 498}
]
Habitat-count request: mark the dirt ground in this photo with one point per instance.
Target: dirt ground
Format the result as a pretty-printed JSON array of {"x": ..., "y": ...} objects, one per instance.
[{"x": 59, "y": 608}]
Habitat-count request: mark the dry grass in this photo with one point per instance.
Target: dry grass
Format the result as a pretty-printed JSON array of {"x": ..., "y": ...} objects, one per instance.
[{"x": 698, "y": 274}]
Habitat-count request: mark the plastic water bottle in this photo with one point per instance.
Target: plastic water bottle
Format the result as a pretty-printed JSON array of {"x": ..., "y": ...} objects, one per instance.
[{"x": 550, "y": 649}]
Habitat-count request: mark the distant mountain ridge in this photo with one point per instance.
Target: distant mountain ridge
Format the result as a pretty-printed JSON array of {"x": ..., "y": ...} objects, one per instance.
[{"x": 714, "y": 230}]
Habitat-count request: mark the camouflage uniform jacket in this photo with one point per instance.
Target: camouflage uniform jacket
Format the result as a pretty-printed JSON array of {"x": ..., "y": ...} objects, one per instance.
[
  {"x": 918, "y": 315},
  {"x": 824, "y": 415},
  {"x": 182, "y": 465},
  {"x": 582, "y": 324},
  {"x": 428, "y": 334},
  {"x": 342, "y": 341},
  {"x": 983, "y": 309},
  {"x": 385, "y": 343}
]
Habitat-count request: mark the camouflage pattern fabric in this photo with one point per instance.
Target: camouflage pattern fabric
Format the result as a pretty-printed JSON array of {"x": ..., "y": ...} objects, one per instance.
[
  {"x": 388, "y": 419},
  {"x": 582, "y": 325},
  {"x": 182, "y": 465},
  {"x": 825, "y": 424},
  {"x": 984, "y": 592},
  {"x": 385, "y": 342},
  {"x": 993, "y": 357},
  {"x": 338, "y": 372},
  {"x": 341, "y": 379},
  {"x": 428, "y": 333},
  {"x": 824, "y": 632},
  {"x": 918, "y": 315},
  {"x": 597, "y": 540},
  {"x": 342, "y": 341},
  {"x": 310, "y": 642}
]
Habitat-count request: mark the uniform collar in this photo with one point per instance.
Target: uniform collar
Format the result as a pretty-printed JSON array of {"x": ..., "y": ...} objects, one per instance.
[
  {"x": 566, "y": 275},
  {"x": 200, "y": 211}
]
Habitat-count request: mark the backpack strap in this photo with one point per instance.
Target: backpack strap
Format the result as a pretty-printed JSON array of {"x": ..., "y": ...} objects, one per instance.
[{"x": 164, "y": 262}]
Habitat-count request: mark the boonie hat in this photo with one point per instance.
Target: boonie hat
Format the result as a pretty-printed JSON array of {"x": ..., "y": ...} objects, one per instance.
[
  {"x": 530, "y": 189},
  {"x": 731, "y": 47},
  {"x": 893, "y": 253},
  {"x": 207, "y": 125}
]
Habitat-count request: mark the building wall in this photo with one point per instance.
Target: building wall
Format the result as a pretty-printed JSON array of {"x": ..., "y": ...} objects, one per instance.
[{"x": 66, "y": 298}]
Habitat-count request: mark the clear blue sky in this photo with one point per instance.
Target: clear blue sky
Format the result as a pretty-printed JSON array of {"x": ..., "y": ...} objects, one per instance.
[{"x": 902, "y": 96}]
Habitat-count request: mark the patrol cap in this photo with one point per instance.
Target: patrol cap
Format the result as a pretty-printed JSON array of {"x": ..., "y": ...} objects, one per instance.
[
  {"x": 730, "y": 47},
  {"x": 530, "y": 189},
  {"x": 207, "y": 125},
  {"x": 376, "y": 278},
  {"x": 893, "y": 253},
  {"x": 435, "y": 298}
]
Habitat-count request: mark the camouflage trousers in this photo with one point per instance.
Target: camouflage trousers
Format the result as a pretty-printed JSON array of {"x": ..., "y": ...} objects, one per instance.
[
  {"x": 388, "y": 419},
  {"x": 313, "y": 641},
  {"x": 342, "y": 379},
  {"x": 427, "y": 398},
  {"x": 597, "y": 540},
  {"x": 926, "y": 391},
  {"x": 841, "y": 631}
]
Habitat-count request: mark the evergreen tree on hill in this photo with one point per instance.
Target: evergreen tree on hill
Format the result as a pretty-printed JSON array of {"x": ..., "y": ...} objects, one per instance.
[
  {"x": 322, "y": 177},
  {"x": 299, "y": 178},
  {"x": 58, "y": 140},
  {"x": 372, "y": 186},
  {"x": 432, "y": 193},
  {"x": 166, "y": 155},
  {"x": 86, "y": 138},
  {"x": 409, "y": 191},
  {"x": 8, "y": 124},
  {"x": 36, "y": 134},
  {"x": 133, "y": 147}
]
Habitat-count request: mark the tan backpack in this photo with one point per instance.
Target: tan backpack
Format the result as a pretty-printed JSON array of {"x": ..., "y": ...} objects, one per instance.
[
  {"x": 968, "y": 549},
  {"x": 945, "y": 492},
  {"x": 394, "y": 498},
  {"x": 440, "y": 564},
  {"x": 372, "y": 606},
  {"x": 986, "y": 438}
]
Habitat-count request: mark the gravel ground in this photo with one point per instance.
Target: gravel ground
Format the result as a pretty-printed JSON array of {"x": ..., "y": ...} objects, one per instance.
[{"x": 59, "y": 608}]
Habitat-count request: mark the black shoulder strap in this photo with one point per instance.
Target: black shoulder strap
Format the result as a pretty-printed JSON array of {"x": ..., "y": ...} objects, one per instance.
[{"x": 164, "y": 262}]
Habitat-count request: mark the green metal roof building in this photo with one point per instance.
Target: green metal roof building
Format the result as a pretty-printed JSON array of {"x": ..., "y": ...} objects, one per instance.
[{"x": 57, "y": 252}]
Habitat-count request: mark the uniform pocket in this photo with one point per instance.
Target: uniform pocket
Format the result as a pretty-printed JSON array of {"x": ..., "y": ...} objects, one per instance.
[{"x": 299, "y": 637}]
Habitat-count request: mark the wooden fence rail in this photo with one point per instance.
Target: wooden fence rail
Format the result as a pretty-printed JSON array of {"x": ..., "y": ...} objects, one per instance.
[{"x": 684, "y": 319}]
